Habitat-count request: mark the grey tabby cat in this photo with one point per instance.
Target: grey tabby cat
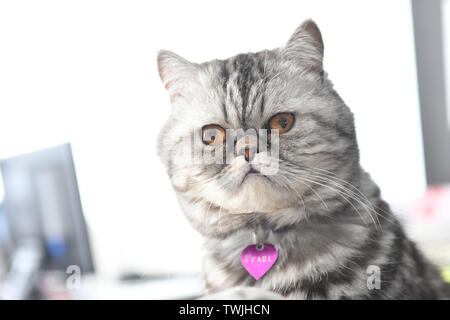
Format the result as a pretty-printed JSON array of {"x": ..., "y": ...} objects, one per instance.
[{"x": 321, "y": 210}]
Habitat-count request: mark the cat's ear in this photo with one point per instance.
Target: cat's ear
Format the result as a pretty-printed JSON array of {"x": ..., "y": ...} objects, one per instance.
[
  {"x": 306, "y": 47},
  {"x": 176, "y": 73}
]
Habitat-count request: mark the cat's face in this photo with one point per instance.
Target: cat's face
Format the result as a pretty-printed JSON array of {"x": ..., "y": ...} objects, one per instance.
[{"x": 284, "y": 91}]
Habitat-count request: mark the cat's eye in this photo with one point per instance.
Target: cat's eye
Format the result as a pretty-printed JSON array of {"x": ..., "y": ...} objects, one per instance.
[
  {"x": 282, "y": 122},
  {"x": 213, "y": 134}
]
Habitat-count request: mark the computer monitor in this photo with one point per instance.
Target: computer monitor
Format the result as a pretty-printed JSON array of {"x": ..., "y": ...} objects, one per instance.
[{"x": 42, "y": 206}]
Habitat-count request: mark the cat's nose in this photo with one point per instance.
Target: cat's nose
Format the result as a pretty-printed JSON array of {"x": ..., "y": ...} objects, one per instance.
[
  {"x": 248, "y": 147},
  {"x": 248, "y": 153}
]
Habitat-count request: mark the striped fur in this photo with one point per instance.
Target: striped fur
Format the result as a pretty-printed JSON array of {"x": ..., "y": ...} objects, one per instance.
[{"x": 321, "y": 210}]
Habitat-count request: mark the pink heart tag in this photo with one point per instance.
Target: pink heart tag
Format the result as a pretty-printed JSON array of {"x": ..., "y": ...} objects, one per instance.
[{"x": 259, "y": 261}]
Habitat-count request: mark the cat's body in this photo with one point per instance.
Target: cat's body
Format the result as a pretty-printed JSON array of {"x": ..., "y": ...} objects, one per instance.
[
  {"x": 335, "y": 236},
  {"x": 331, "y": 258}
]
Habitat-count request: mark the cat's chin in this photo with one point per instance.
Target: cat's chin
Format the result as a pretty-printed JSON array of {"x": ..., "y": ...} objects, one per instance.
[
  {"x": 251, "y": 177},
  {"x": 256, "y": 194}
]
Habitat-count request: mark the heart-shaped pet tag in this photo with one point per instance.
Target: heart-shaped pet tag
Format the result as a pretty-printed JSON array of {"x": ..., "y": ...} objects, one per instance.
[{"x": 258, "y": 260}]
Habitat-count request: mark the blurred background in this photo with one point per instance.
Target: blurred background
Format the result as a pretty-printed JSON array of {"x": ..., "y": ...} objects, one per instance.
[{"x": 86, "y": 208}]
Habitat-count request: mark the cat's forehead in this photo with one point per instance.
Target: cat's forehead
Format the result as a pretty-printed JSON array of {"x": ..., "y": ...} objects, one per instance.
[{"x": 241, "y": 83}]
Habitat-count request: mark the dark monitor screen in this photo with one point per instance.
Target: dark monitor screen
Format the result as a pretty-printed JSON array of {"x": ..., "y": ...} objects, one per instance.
[{"x": 42, "y": 205}]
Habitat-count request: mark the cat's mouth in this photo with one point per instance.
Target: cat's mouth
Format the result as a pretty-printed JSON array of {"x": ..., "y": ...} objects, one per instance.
[
  {"x": 251, "y": 173},
  {"x": 252, "y": 170}
]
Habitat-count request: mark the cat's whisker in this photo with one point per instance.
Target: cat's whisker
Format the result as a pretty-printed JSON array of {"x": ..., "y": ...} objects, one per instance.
[
  {"x": 325, "y": 206},
  {"x": 220, "y": 215},
  {"x": 363, "y": 200},
  {"x": 314, "y": 191},
  {"x": 207, "y": 212},
  {"x": 301, "y": 198},
  {"x": 330, "y": 175},
  {"x": 202, "y": 181},
  {"x": 353, "y": 188},
  {"x": 357, "y": 196},
  {"x": 333, "y": 176},
  {"x": 341, "y": 194},
  {"x": 350, "y": 195},
  {"x": 353, "y": 197}
]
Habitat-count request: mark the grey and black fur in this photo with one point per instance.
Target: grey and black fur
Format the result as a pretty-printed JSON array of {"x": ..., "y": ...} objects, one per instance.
[{"x": 321, "y": 210}]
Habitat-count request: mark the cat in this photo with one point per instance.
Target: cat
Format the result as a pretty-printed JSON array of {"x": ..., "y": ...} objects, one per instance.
[{"x": 335, "y": 235}]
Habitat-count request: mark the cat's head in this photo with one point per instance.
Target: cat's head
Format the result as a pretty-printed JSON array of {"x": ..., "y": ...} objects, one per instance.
[{"x": 284, "y": 91}]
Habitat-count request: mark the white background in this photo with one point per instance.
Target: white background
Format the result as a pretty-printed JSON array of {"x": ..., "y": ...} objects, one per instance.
[{"x": 85, "y": 72}]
